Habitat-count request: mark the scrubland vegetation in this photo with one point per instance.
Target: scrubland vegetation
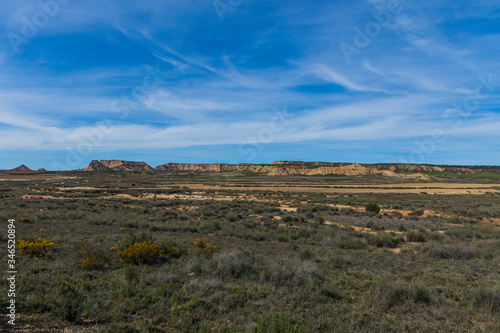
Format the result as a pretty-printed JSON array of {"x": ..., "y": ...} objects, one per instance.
[{"x": 141, "y": 252}]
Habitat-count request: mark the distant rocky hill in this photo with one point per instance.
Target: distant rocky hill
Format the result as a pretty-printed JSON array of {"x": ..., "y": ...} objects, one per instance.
[
  {"x": 22, "y": 167},
  {"x": 117, "y": 165}
]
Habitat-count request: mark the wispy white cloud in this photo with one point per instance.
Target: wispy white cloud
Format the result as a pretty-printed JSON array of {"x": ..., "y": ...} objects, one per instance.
[
  {"x": 222, "y": 80},
  {"x": 332, "y": 76}
]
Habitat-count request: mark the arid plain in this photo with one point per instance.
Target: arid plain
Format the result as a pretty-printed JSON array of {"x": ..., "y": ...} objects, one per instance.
[{"x": 286, "y": 247}]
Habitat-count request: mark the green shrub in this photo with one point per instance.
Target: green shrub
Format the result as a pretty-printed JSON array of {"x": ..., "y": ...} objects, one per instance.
[
  {"x": 420, "y": 294},
  {"x": 331, "y": 292},
  {"x": 416, "y": 236},
  {"x": 319, "y": 219},
  {"x": 440, "y": 251},
  {"x": 231, "y": 217},
  {"x": 488, "y": 298},
  {"x": 91, "y": 256},
  {"x": 172, "y": 250},
  {"x": 383, "y": 239},
  {"x": 373, "y": 208},
  {"x": 68, "y": 302},
  {"x": 278, "y": 324},
  {"x": 392, "y": 294},
  {"x": 235, "y": 265}
]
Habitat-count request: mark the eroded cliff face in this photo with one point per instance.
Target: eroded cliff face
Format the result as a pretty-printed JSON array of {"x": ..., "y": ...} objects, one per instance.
[
  {"x": 290, "y": 168},
  {"x": 96, "y": 166},
  {"x": 282, "y": 168}
]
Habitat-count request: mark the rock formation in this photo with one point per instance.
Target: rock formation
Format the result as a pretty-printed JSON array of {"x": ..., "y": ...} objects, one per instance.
[
  {"x": 291, "y": 168},
  {"x": 117, "y": 165},
  {"x": 281, "y": 168},
  {"x": 96, "y": 166}
]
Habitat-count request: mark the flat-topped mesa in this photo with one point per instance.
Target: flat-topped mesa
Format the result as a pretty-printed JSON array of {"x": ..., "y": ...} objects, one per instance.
[
  {"x": 22, "y": 167},
  {"x": 117, "y": 165}
]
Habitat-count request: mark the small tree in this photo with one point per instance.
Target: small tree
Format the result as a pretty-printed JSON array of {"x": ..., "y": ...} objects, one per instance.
[{"x": 371, "y": 207}]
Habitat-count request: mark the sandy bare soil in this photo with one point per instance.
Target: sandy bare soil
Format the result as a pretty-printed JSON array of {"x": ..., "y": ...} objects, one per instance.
[
  {"x": 357, "y": 185},
  {"x": 428, "y": 188},
  {"x": 7, "y": 176}
]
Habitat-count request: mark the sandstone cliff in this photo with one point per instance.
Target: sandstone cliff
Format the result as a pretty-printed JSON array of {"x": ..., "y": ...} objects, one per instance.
[
  {"x": 96, "y": 166},
  {"x": 290, "y": 168},
  {"x": 282, "y": 168}
]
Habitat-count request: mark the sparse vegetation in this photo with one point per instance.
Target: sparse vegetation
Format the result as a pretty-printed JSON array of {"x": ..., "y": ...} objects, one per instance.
[{"x": 162, "y": 257}]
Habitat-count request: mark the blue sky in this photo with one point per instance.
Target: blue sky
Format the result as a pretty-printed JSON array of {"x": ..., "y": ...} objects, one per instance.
[{"x": 232, "y": 81}]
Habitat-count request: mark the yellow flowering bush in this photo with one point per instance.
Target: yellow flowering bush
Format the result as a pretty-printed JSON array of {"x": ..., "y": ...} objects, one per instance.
[
  {"x": 36, "y": 247},
  {"x": 142, "y": 253},
  {"x": 24, "y": 219},
  {"x": 204, "y": 248}
]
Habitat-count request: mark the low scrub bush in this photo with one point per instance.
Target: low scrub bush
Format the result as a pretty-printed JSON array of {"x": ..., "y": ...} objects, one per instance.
[
  {"x": 348, "y": 241},
  {"x": 462, "y": 252},
  {"x": 68, "y": 302},
  {"x": 278, "y": 324},
  {"x": 319, "y": 219},
  {"x": 488, "y": 298},
  {"x": 172, "y": 250},
  {"x": 331, "y": 292},
  {"x": 392, "y": 294},
  {"x": 91, "y": 256},
  {"x": 372, "y": 208},
  {"x": 235, "y": 265},
  {"x": 383, "y": 239},
  {"x": 416, "y": 236}
]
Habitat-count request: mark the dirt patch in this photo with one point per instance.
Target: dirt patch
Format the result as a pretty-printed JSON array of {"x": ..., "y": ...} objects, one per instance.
[
  {"x": 27, "y": 176},
  {"x": 79, "y": 188},
  {"x": 493, "y": 220},
  {"x": 428, "y": 188}
]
